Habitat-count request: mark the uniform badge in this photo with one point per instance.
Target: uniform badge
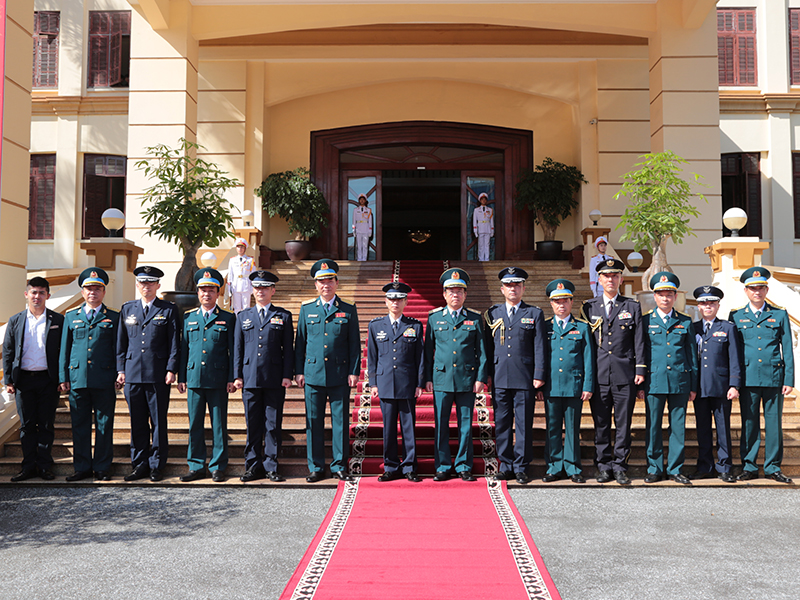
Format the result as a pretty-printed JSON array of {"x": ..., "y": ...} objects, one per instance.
[
  {"x": 340, "y": 315},
  {"x": 610, "y": 263},
  {"x": 130, "y": 320},
  {"x": 455, "y": 275},
  {"x": 526, "y": 321},
  {"x": 511, "y": 270},
  {"x": 93, "y": 274},
  {"x": 720, "y": 334},
  {"x": 246, "y": 322},
  {"x": 220, "y": 323},
  {"x": 664, "y": 279},
  {"x": 756, "y": 273},
  {"x": 469, "y": 322},
  {"x": 146, "y": 269},
  {"x": 771, "y": 321},
  {"x": 106, "y": 321},
  {"x": 396, "y": 285},
  {"x": 679, "y": 327},
  {"x": 624, "y": 315},
  {"x": 323, "y": 266},
  {"x": 276, "y": 321},
  {"x": 560, "y": 286},
  {"x": 410, "y": 332},
  {"x": 706, "y": 289},
  {"x": 381, "y": 335},
  {"x": 574, "y": 332}
]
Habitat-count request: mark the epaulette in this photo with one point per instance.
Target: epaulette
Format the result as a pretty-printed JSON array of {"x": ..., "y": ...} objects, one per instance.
[
  {"x": 733, "y": 310},
  {"x": 308, "y": 301},
  {"x": 548, "y": 319},
  {"x": 648, "y": 312},
  {"x": 186, "y": 312},
  {"x": 433, "y": 310},
  {"x": 775, "y": 306},
  {"x": 477, "y": 312},
  {"x": 581, "y": 319},
  {"x": 225, "y": 310},
  {"x": 683, "y": 313}
]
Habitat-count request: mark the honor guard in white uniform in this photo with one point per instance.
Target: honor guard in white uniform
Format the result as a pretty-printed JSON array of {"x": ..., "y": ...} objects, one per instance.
[
  {"x": 362, "y": 227},
  {"x": 598, "y": 259},
  {"x": 483, "y": 226},
  {"x": 239, "y": 269}
]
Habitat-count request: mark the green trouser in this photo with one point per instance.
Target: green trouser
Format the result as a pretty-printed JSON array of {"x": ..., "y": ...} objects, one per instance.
[
  {"x": 465, "y": 405},
  {"x": 677, "y": 432},
  {"x": 316, "y": 398},
  {"x": 563, "y": 456},
  {"x": 87, "y": 405},
  {"x": 217, "y": 401},
  {"x": 750, "y": 402}
]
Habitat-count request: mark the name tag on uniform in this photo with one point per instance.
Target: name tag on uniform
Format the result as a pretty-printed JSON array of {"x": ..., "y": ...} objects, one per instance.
[
  {"x": 339, "y": 315},
  {"x": 276, "y": 321},
  {"x": 53, "y": 326},
  {"x": 624, "y": 315},
  {"x": 312, "y": 316},
  {"x": 192, "y": 322},
  {"x": 527, "y": 321},
  {"x": 720, "y": 334},
  {"x": 78, "y": 321},
  {"x": 410, "y": 332},
  {"x": 655, "y": 326},
  {"x": 744, "y": 320},
  {"x": 469, "y": 322}
]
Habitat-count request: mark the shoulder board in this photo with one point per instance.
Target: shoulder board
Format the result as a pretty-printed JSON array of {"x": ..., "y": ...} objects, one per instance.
[
  {"x": 581, "y": 320},
  {"x": 309, "y": 301},
  {"x": 648, "y": 312},
  {"x": 375, "y": 319},
  {"x": 186, "y": 312},
  {"x": 225, "y": 311},
  {"x": 771, "y": 305},
  {"x": 733, "y": 310},
  {"x": 477, "y": 312},
  {"x": 345, "y": 302},
  {"x": 433, "y": 310},
  {"x": 72, "y": 310},
  {"x": 684, "y": 314},
  {"x": 549, "y": 319}
]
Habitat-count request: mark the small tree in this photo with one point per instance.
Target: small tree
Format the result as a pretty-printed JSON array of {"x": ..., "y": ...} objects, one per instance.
[
  {"x": 548, "y": 191},
  {"x": 293, "y": 197},
  {"x": 662, "y": 205},
  {"x": 186, "y": 204}
]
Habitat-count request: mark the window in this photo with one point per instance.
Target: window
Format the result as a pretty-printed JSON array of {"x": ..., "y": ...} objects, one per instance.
[
  {"x": 736, "y": 46},
  {"x": 45, "y": 49},
  {"x": 741, "y": 188},
  {"x": 796, "y": 192},
  {"x": 109, "y": 48},
  {"x": 103, "y": 188},
  {"x": 794, "y": 45},
  {"x": 42, "y": 197}
]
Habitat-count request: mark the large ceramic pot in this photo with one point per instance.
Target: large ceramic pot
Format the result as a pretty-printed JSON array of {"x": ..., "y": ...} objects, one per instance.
[
  {"x": 297, "y": 249},
  {"x": 183, "y": 300},
  {"x": 549, "y": 250}
]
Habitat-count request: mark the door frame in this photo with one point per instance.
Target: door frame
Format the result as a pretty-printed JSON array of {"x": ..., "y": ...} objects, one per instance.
[{"x": 377, "y": 219}]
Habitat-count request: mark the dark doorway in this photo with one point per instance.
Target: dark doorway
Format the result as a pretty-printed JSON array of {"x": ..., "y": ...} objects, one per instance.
[{"x": 421, "y": 215}]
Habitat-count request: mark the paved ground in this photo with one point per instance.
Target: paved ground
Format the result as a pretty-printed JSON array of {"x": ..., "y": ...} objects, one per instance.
[{"x": 642, "y": 544}]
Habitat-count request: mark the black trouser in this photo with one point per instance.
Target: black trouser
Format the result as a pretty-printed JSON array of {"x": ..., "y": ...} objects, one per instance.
[
  {"x": 263, "y": 414},
  {"x": 620, "y": 399},
  {"x": 37, "y": 397},
  {"x": 148, "y": 404}
]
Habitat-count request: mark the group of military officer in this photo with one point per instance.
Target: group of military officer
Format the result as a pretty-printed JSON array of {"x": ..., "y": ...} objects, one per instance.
[{"x": 608, "y": 357}]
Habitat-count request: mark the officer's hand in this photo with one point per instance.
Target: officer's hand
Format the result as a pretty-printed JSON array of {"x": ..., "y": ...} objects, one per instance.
[
  {"x": 231, "y": 387},
  {"x": 10, "y": 389},
  {"x": 418, "y": 392},
  {"x": 286, "y": 382},
  {"x": 352, "y": 380},
  {"x": 120, "y": 383},
  {"x": 373, "y": 392},
  {"x": 63, "y": 387},
  {"x": 787, "y": 389},
  {"x": 692, "y": 396},
  {"x": 170, "y": 378},
  {"x": 638, "y": 379},
  {"x": 478, "y": 387},
  {"x": 429, "y": 387},
  {"x": 301, "y": 380},
  {"x": 540, "y": 396},
  {"x": 238, "y": 384},
  {"x": 182, "y": 388},
  {"x": 537, "y": 383},
  {"x": 640, "y": 394},
  {"x": 586, "y": 396},
  {"x": 733, "y": 393}
]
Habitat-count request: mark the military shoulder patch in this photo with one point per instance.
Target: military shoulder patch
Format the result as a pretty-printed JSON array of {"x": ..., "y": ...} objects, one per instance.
[
  {"x": 647, "y": 313},
  {"x": 771, "y": 305},
  {"x": 433, "y": 310},
  {"x": 683, "y": 313},
  {"x": 186, "y": 312},
  {"x": 581, "y": 320},
  {"x": 308, "y": 301},
  {"x": 225, "y": 310}
]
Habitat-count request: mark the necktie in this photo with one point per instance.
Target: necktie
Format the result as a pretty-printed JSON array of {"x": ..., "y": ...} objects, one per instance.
[
  {"x": 394, "y": 327},
  {"x": 453, "y": 315},
  {"x": 665, "y": 318},
  {"x": 562, "y": 324},
  {"x": 91, "y": 314},
  {"x": 146, "y": 310},
  {"x": 262, "y": 313},
  {"x": 608, "y": 308},
  {"x": 758, "y": 313},
  {"x": 707, "y": 327}
]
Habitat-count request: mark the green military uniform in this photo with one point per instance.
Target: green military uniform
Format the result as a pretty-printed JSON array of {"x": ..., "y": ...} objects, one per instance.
[
  {"x": 88, "y": 363},
  {"x": 673, "y": 374},
  {"x": 766, "y": 342},
  {"x": 327, "y": 350},
  {"x": 206, "y": 368}
]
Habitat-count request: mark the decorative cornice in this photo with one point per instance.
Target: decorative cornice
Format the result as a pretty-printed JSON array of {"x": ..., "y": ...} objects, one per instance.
[
  {"x": 732, "y": 102},
  {"x": 48, "y": 105}
]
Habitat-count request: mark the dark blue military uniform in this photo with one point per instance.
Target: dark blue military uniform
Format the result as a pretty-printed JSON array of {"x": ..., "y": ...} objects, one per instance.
[
  {"x": 395, "y": 366},
  {"x": 147, "y": 348},
  {"x": 87, "y": 363},
  {"x": 263, "y": 357},
  {"x": 516, "y": 355},
  {"x": 719, "y": 371},
  {"x": 207, "y": 369}
]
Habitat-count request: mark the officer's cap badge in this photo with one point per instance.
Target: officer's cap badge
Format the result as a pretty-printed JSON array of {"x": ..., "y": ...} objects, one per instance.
[
  {"x": 456, "y": 275},
  {"x": 511, "y": 270},
  {"x": 560, "y": 286},
  {"x": 147, "y": 269},
  {"x": 396, "y": 285},
  {"x": 610, "y": 263},
  {"x": 664, "y": 278},
  {"x": 323, "y": 266},
  {"x": 207, "y": 275},
  {"x": 94, "y": 274},
  {"x": 706, "y": 289},
  {"x": 756, "y": 273}
]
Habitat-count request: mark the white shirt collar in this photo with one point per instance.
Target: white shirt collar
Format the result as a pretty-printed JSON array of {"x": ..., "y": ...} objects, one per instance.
[
  {"x": 34, "y": 317},
  {"x": 515, "y": 306},
  {"x": 664, "y": 315},
  {"x": 753, "y": 309},
  {"x": 562, "y": 322},
  {"x": 87, "y": 309}
]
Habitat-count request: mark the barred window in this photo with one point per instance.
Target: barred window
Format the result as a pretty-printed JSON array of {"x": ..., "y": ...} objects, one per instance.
[
  {"x": 103, "y": 188},
  {"x": 41, "y": 206},
  {"x": 736, "y": 46},
  {"x": 46, "y": 26},
  {"x": 109, "y": 48}
]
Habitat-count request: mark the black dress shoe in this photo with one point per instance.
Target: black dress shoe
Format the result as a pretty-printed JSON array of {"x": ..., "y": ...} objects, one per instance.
[
  {"x": 79, "y": 476},
  {"x": 653, "y": 477},
  {"x": 253, "y": 474},
  {"x": 551, "y": 477},
  {"x": 413, "y": 477},
  {"x": 47, "y": 475},
  {"x": 467, "y": 476},
  {"x": 698, "y": 475},
  {"x": 622, "y": 478},
  {"x": 748, "y": 475},
  {"x": 522, "y": 477},
  {"x": 727, "y": 477},
  {"x": 25, "y": 474},
  {"x": 681, "y": 478},
  {"x": 218, "y": 476},
  {"x": 441, "y": 476},
  {"x": 102, "y": 476},
  {"x": 156, "y": 475},
  {"x": 274, "y": 476},
  {"x": 315, "y": 477},
  {"x": 390, "y": 476},
  {"x": 604, "y": 476},
  {"x": 194, "y": 475},
  {"x": 139, "y": 472},
  {"x": 505, "y": 475},
  {"x": 578, "y": 478},
  {"x": 342, "y": 475},
  {"x": 779, "y": 477}
]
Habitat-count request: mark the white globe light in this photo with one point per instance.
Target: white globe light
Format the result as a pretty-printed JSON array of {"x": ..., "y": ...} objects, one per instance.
[
  {"x": 113, "y": 219},
  {"x": 209, "y": 259},
  {"x": 734, "y": 219},
  {"x": 247, "y": 217},
  {"x": 595, "y": 216},
  {"x": 635, "y": 261}
]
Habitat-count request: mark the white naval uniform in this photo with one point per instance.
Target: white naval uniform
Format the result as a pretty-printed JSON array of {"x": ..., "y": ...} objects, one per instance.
[
  {"x": 239, "y": 285},
  {"x": 483, "y": 228},
  {"x": 594, "y": 284},
  {"x": 362, "y": 228}
]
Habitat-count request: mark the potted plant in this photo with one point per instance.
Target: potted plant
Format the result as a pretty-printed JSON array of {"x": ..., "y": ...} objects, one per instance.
[
  {"x": 662, "y": 205},
  {"x": 549, "y": 192},
  {"x": 186, "y": 204},
  {"x": 293, "y": 197}
]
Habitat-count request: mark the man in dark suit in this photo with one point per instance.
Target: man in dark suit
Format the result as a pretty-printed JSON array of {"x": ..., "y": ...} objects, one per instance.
[
  {"x": 719, "y": 385},
  {"x": 87, "y": 371},
  {"x": 30, "y": 364},
  {"x": 766, "y": 340},
  {"x": 148, "y": 353},
  {"x": 515, "y": 354},
  {"x": 263, "y": 364},
  {"x": 616, "y": 322},
  {"x": 206, "y": 376},
  {"x": 327, "y": 362},
  {"x": 395, "y": 369},
  {"x": 455, "y": 370}
]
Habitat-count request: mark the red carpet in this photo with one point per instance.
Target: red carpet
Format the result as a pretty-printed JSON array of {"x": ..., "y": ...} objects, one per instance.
[{"x": 400, "y": 540}]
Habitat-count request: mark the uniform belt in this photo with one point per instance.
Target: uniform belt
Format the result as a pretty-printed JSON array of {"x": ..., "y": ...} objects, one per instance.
[{"x": 42, "y": 373}]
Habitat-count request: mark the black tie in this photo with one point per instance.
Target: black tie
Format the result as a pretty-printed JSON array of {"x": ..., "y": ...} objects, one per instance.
[
  {"x": 758, "y": 313},
  {"x": 146, "y": 310},
  {"x": 91, "y": 315},
  {"x": 262, "y": 312},
  {"x": 394, "y": 327},
  {"x": 708, "y": 326},
  {"x": 512, "y": 312}
]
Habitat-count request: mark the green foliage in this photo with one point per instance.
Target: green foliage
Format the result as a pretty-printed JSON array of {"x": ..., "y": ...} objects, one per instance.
[
  {"x": 548, "y": 191},
  {"x": 292, "y": 196},
  {"x": 662, "y": 203},
  {"x": 186, "y": 204}
]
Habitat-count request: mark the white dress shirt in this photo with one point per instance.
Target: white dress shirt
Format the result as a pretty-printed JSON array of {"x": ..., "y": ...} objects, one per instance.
[{"x": 34, "y": 355}]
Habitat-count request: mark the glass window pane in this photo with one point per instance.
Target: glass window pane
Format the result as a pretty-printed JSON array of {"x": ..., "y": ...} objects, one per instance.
[{"x": 365, "y": 224}]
